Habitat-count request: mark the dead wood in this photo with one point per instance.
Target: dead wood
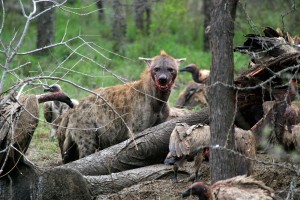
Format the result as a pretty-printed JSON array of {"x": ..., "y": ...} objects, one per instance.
[
  {"x": 112, "y": 183},
  {"x": 263, "y": 82},
  {"x": 28, "y": 182},
  {"x": 147, "y": 148},
  {"x": 65, "y": 182}
]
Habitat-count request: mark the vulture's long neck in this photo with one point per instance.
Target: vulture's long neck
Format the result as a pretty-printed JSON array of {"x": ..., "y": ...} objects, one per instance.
[{"x": 55, "y": 96}]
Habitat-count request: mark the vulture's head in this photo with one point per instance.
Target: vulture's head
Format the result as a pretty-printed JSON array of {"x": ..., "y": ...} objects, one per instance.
[
  {"x": 53, "y": 88},
  {"x": 198, "y": 189},
  {"x": 199, "y": 76},
  {"x": 193, "y": 68}
]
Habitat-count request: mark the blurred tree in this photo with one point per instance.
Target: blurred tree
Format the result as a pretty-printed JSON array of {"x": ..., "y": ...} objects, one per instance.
[
  {"x": 100, "y": 7},
  {"x": 142, "y": 15},
  {"x": 71, "y": 1},
  {"x": 119, "y": 25},
  {"x": 221, "y": 95},
  {"x": 45, "y": 26},
  {"x": 207, "y": 8}
]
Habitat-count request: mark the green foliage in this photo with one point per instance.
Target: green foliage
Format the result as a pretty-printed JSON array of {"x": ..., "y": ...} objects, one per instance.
[{"x": 176, "y": 27}]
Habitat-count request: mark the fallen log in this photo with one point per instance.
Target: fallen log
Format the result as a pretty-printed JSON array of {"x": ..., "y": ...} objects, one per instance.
[
  {"x": 149, "y": 147},
  {"x": 28, "y": 182},
  {"x": 65, "y": 182},
  {"x": 112, "y": 183}
]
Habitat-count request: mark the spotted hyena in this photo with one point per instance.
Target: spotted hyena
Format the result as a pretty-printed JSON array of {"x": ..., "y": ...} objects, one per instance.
[{"x": 99, "y": 121}]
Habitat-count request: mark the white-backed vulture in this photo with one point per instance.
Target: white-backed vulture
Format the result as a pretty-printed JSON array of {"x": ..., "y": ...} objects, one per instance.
[
  {"x": 53, "y": 110},
  {"x": 236, "y": 188},
  {"x": 188, "y": 143},
  {"x": 199, "y": 76},
  {"x": 18, "y": 121},
  {"x": 289, "y": 139},
  {"x": 178, "y": 112},
  {"x": 192, "y": 96},
  {"x": 291, "y": 114}
]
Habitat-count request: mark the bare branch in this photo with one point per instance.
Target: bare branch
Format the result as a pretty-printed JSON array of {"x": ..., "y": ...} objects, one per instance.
[
  {"x": 3, "y": 17},
  {"x": 23, "y": 65}
]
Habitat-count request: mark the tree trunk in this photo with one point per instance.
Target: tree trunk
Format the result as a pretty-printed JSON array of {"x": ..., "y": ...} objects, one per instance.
[
  {"x": 27, "y": 182},
  {"x": 207, "y": 8},
  {"x": 119, "y": 25},
  {"x": 100, "y": 8},
  {"x": 142, "y": 15},
  {"x": 45, "y": 26},
  {"x": 112, "y": 183},
  {"x": 221, "y": 94},
  {"x": 152, "y": 144},
  {"x": 71, "y": 1}
]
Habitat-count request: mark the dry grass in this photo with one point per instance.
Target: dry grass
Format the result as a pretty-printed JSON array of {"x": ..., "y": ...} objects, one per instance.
[{"x": 42, "y": 151}]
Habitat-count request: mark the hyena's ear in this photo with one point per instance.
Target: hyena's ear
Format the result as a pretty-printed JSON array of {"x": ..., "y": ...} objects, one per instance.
[
  {"x": 179, "y": 60},
  {"x": 147, "y": 60}
]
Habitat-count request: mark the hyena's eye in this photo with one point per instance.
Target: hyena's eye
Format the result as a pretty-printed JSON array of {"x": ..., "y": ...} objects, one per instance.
[
  {"x": 156, "y": 69},
  {"x": 171, "y": 70}
]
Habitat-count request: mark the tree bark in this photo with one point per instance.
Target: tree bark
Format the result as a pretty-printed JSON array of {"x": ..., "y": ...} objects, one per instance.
[
  {"x": 142, "y": 15},
  {"x": 119, "y": 25},
  {"x": 207, "y": 8},
  {"x": 221, "y": 94},
  {"x": 112, "y": 183},
  {"x": 67, "y": 182},
  {"x": 152, "y": 144},
  {"x": 27, "y": 182},
  {"x": 100, "y": 8},
  {"x": 45, "y": 26}
]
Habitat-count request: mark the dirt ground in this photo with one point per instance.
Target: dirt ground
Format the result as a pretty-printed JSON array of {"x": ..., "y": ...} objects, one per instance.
[
  {"x": 277, "y": 176},
  {"x": 274, "y": 176}
]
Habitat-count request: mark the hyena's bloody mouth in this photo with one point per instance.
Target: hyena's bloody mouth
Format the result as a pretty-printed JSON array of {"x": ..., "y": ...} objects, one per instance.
[{"x": 165, "y": 87}]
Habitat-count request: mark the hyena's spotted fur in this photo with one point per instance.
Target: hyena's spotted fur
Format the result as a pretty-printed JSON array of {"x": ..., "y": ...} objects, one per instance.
[{"x": 142, "y": 104}]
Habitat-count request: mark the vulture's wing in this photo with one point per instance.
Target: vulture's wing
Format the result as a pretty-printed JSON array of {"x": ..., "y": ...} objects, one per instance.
[
  {"x": 48, "y": 112},
  {"x": 199, "y": 137},
  {"x": 178, "y": 145},
  {"x": 9, "y": 113},
  {"x": 245, "y": 142},
  {"x": 188, "y": 98},
  {"x": 242, "y": 187},
  {"x": 18, "y": 121}
]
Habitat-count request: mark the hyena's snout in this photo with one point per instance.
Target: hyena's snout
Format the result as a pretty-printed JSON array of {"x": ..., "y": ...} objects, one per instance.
[{"x": 163, "y": 79}]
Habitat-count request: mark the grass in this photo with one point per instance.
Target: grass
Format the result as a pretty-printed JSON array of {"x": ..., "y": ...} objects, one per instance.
[{"x": 177, "y": 28}]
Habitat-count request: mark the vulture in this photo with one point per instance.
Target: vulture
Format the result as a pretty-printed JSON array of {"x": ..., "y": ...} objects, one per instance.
[
  {"x": 186, "y": 145},
  {"x": 290, "y": 139},
  {"x": 199, "y": 76},
  {"x": 178, "y": 112},
  {"x": 236, "y": 188},
  {"x": 191, "y": 143},
  {"x": 292, "y": 112},
  {"x": 53, "y": 110},
  {"x": 193, "y": 95},
  {"x": 273, "y": 43},
  {"x": 18, "y": 121}
]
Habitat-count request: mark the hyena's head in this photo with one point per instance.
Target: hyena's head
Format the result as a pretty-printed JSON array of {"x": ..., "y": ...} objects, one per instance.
[{"x": 163, "y": 69}]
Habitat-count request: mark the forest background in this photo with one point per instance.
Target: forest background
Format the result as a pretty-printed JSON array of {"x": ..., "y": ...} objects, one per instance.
[{"x": 97, "y": 43}]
